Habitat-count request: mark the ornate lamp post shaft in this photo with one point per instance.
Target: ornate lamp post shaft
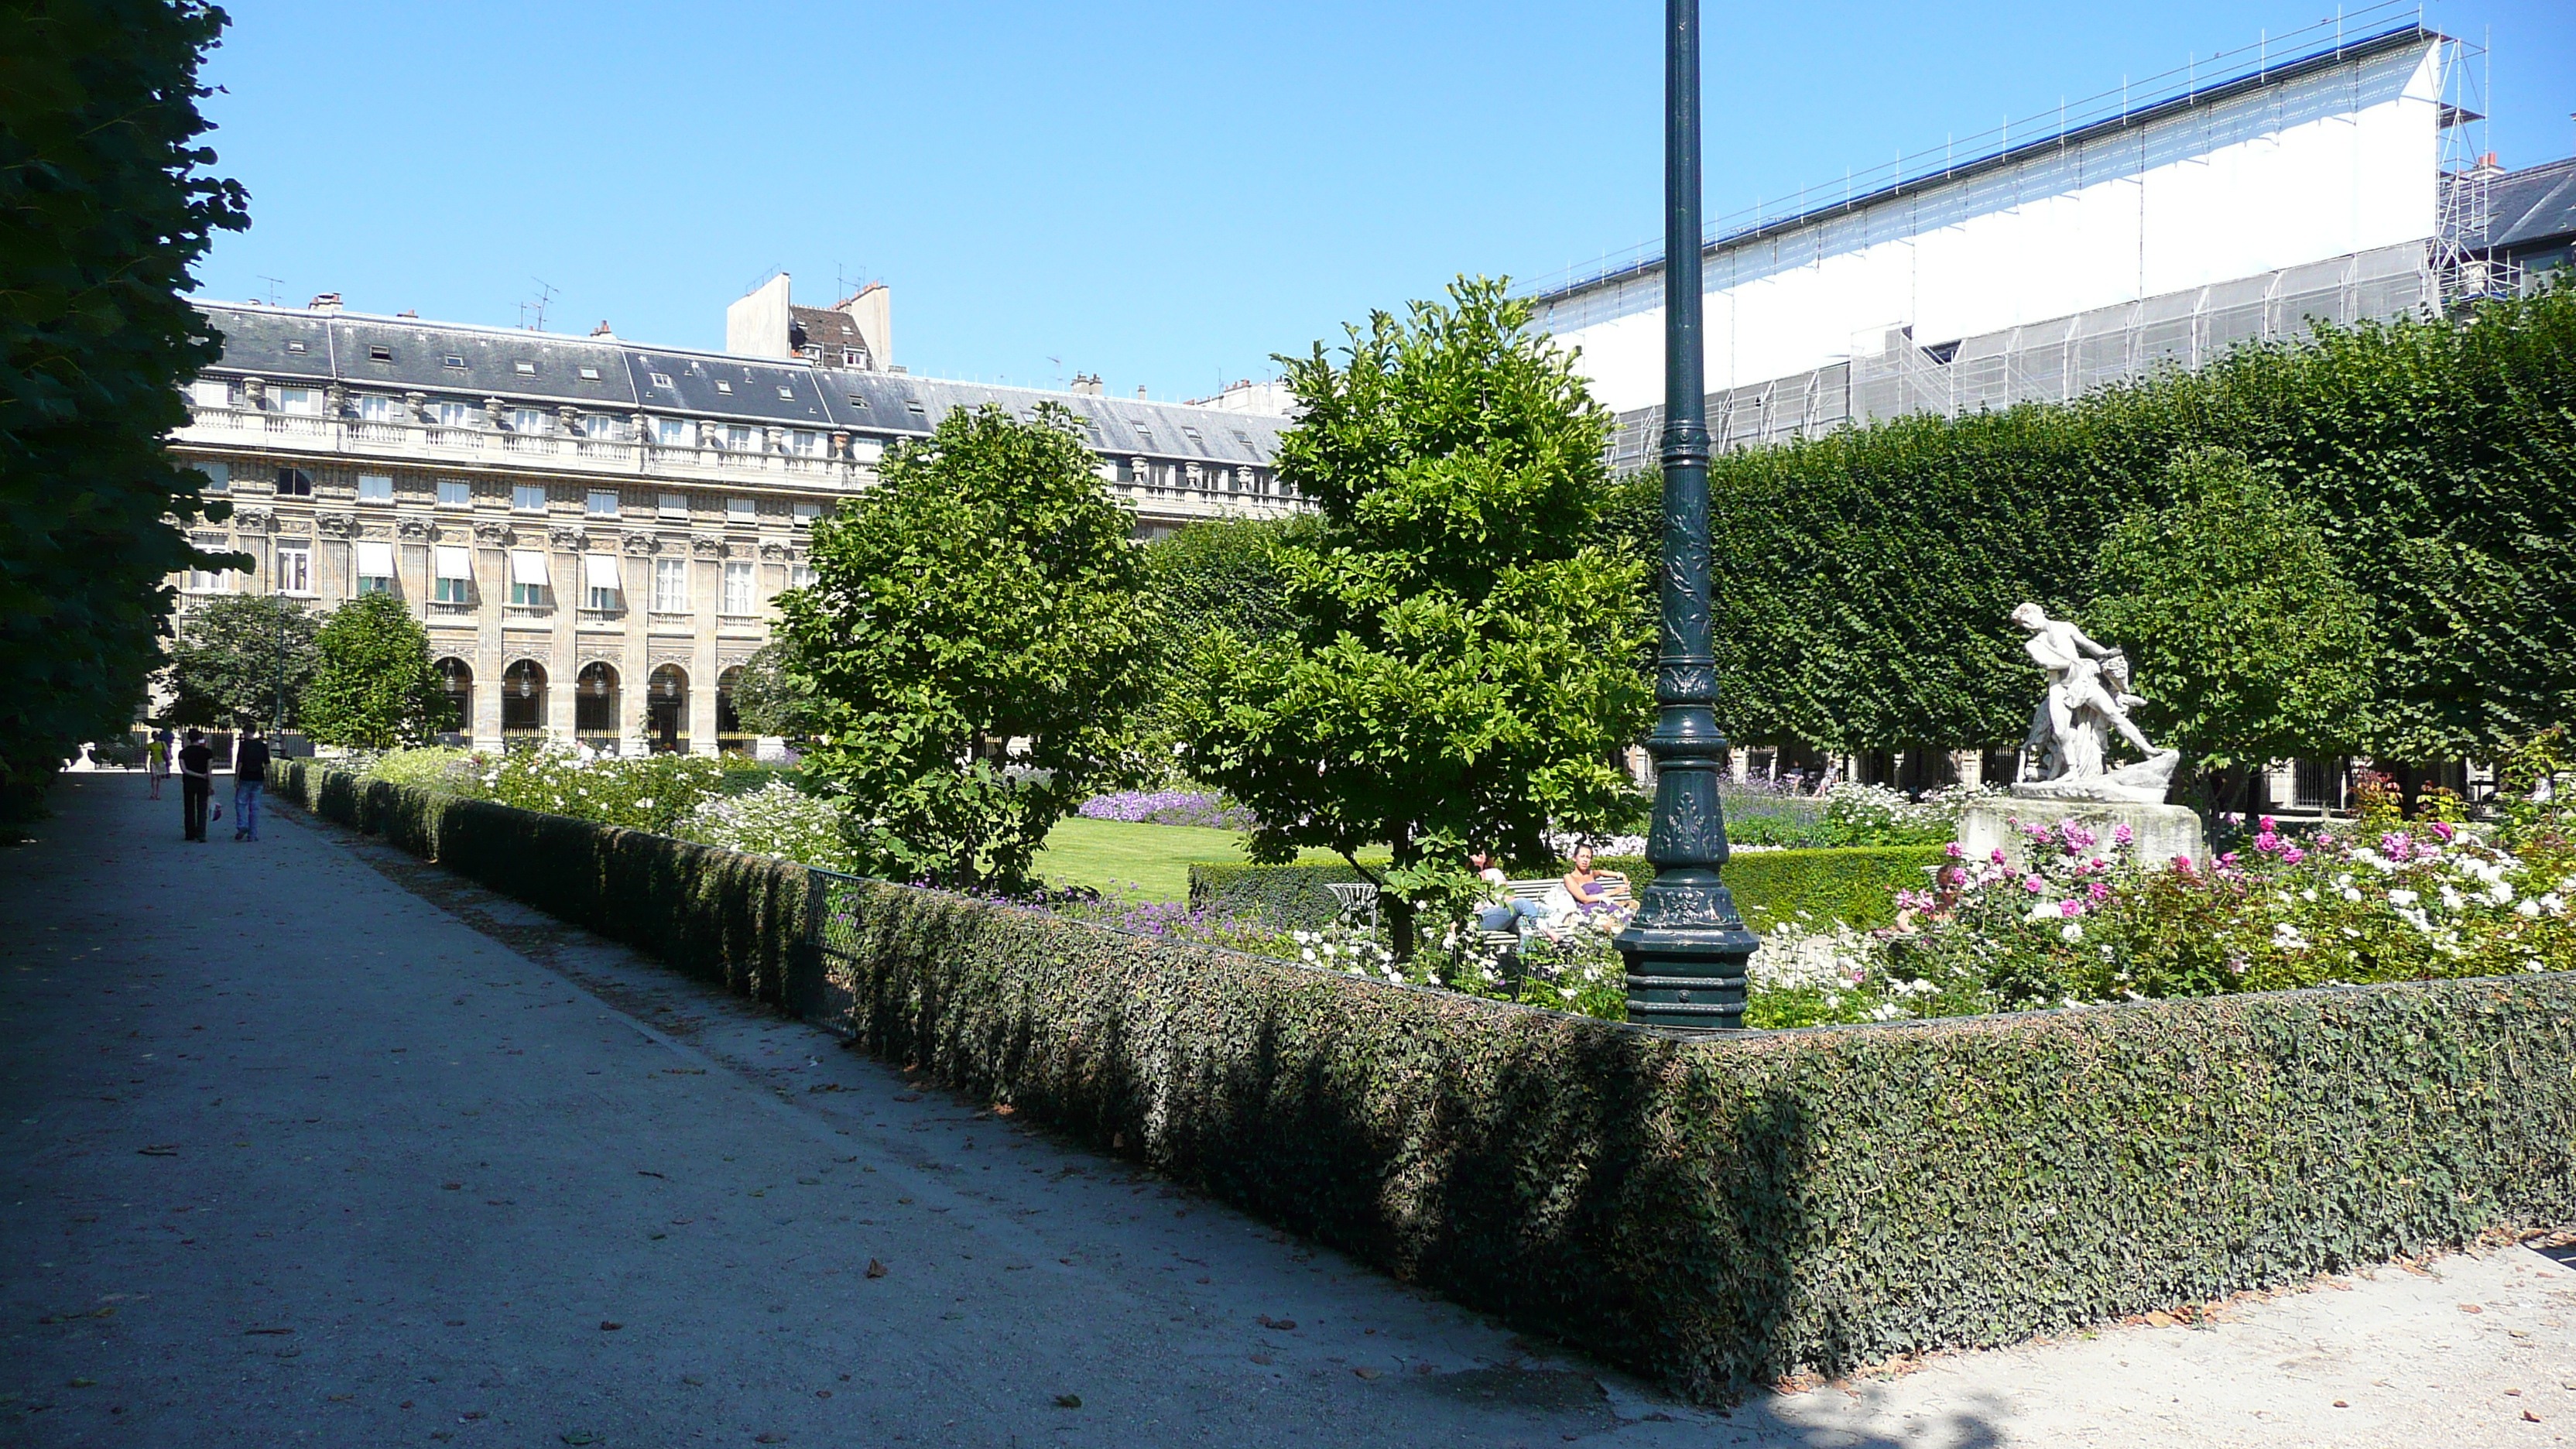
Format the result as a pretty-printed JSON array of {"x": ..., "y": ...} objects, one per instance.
[{"x": 1687, "y": 948}]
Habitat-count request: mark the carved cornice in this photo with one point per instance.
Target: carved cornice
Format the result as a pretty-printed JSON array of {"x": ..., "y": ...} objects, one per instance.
[
  {"x": 337, "y": 525},
  {"x": 254, "y": 520},
  {"x": 774, "y": 552},
  {"x": 705, "y": 547},
  {"x": 416, "y": 530},
  {"x": 493, "y": 535},
  {"x": 641, "y": 543},
  {"x": 567, "y": 540}
]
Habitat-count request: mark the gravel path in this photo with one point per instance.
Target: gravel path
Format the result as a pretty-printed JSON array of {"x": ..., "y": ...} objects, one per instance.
[{"x": 305, "y": 1141}]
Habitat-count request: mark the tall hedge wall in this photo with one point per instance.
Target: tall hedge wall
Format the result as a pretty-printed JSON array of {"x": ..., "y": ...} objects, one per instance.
[
  {"x": 1865, "y": 576},
  {"x": 1857, "y": 886},
  {"x": 1712, "y": 1212}
]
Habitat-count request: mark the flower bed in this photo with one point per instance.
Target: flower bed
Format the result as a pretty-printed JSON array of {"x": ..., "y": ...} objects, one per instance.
[{"x": 1169, "y": 807}]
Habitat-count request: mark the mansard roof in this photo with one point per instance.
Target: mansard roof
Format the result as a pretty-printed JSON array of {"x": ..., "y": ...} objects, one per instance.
[{"x": 525, "y": 368}]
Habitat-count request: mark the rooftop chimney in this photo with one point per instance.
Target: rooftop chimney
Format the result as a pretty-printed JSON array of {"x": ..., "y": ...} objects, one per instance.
[
  {"x": 1140, "y": 387},
  {"x": 602, "y": 330},
  {"x": 325, "y": 302},
  {"x": 1085, "y": 385},
  {"x": 408, "y": 312}
]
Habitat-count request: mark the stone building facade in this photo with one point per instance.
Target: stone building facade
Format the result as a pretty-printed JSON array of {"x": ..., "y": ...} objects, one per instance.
[{"x": 593, "y": 530}]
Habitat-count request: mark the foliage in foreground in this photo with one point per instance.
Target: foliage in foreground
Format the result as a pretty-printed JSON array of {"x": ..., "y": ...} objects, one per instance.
[
  {"x": 1460, "y": 660},
  {"x": 984, "y": 592},
  {"x": 373, "y": 686},
  {"x": 1716, "y": 1214},
  {"x": 105, "y": 209}
]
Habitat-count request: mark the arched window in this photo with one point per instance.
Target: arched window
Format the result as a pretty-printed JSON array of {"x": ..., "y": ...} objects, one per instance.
[
  {"x": 523, "y": 702},
  {"x": 731, "y": 738},
  {"x": 594, "y": 708},
  {"x": 666, "y": 709},
  {"x": 458, "y": 676}
]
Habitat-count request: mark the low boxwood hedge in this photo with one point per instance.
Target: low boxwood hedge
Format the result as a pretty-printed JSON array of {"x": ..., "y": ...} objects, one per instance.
[
  {"x": 1715, "y": 1212},
  {"x": 1772, "y": 887}
]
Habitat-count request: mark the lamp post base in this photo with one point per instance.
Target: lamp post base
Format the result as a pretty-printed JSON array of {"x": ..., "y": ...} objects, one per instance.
[{"x": 1690, "y": 978}]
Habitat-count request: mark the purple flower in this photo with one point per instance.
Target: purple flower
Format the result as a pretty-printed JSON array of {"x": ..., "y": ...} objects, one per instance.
[
  {"x": 2292, "y": 855},
  {"x": 1996, "y": 855},
  {"x": 2264, "y": 824},
  {"x": 2443, "y": 829},
  {"x": 2123, "y": 835},
  {"x": 1955, "y": 851},
  {"x": 2033, "y": 884}
]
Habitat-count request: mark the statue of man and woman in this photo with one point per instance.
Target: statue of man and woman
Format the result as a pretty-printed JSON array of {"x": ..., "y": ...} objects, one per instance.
[{"x": 2088, "y": 700}]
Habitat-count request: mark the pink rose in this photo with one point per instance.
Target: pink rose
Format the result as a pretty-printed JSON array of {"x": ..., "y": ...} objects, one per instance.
[
  {"x": 2101, "y": 890},
  {"x": 2033, "y": 884},
  {"x": 2123, "y": 835},
  {"x": 2293, "y": 854},
  {"x": 1954, "y": 850},
  {"x": 2070, "y": 908},
  {"x": 1996, "y": 855}
]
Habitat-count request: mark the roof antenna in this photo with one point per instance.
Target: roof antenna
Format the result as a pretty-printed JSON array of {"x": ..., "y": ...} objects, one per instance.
[
  {"x": 545, "y": 294},
  {"x": 273, "y": 284}
]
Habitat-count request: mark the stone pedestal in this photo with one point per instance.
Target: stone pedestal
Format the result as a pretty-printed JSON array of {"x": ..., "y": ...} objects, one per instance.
[{"x": 2158, "y": 832}]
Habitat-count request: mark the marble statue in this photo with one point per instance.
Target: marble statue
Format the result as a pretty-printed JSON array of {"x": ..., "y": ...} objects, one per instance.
[{"x": 2088, "y": 701}]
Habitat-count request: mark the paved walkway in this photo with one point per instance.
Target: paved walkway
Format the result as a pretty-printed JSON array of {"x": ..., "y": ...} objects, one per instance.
[{"x": 305, "y": 1142}]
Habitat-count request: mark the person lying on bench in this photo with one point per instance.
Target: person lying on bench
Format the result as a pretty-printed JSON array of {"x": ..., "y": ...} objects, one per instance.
[{"x": 1501, "y": 911}]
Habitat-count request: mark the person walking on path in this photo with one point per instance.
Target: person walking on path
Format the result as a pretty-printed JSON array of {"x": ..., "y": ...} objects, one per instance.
[
  {"x": 196, "y": 785},
  {"x": 250, "y": 771},
  {"x": 156, "y": 760}
]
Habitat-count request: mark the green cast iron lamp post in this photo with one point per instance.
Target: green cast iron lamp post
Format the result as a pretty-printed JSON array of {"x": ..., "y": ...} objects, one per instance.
[{"x": 1686, "y": 949}]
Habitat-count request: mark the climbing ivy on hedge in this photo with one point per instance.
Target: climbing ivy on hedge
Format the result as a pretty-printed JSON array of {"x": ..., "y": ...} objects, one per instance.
[
  {"x": 1715, "y": 1213},
  {"x": 1863, "y": 578}
]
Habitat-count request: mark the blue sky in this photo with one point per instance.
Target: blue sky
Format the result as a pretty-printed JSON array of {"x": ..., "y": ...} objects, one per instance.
[{"x": 1161, "y": 194}]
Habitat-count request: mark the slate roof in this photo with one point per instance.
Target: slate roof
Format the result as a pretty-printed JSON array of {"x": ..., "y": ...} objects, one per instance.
[
  {"x": 824, "y": 327},
  {"x": 2535, "y": 204},
  {"x": 630, "y": 378}
]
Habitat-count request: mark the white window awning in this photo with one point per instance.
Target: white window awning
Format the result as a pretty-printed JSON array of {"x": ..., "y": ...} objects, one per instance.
[
  {"x": 527, "y": 566},
  {"x": 375, "y": 559},
  {"x": 599, "y": 570},
  {"x": 452, "y": 563}
]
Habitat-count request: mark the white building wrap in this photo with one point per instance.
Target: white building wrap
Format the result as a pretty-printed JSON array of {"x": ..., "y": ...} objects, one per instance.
[{"x": 2333, "y": 159}]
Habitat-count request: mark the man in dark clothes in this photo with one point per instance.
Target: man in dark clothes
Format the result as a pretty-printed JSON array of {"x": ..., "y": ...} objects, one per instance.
[
  {"x": 250, "y": 771},
  {"x": 196, "y": 784}
]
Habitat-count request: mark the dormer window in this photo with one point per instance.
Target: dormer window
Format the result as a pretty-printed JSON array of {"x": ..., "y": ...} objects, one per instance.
[
  {"x": 378, "y": 352},
  {"x": 590, "y": 374},
  {"x": 524, "y": 369},
  {"x": 724, "y": 387},
  {"x": 788, "y": 393},
  {"x": 454, "y": 361},
  {"x": 295, "y": 347},
  {"x": 661, "y": 379}
]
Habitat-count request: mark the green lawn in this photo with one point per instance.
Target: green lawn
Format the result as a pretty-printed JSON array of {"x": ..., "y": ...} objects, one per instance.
[{"x": 1141, "y": 862}]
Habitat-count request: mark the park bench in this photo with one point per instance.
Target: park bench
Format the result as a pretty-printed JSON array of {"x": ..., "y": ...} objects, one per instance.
[{"x": 1359, "y": 903}]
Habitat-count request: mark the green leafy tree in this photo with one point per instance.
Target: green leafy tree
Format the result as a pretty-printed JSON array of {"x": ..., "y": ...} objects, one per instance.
[
  {"x": 985, "y": 591},
  {"x": 104, "y": 209},
  {"x": 1227, "y": 574},
  {"x": 236, "y": 654},
  {"x": 1461, "y": 662},
  {"x": 769, "y": 701},
  {"x": 373, "y": 685},
  {"x": 2251, "y": 643}
]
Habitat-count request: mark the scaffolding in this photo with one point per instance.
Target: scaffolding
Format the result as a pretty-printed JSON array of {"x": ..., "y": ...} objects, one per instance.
[
  {"x": 2462, "y": 268},
  {"x": 1890, "y": 376}
]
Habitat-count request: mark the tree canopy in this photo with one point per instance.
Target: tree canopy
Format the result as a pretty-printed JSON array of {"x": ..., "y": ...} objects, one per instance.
[
  {"x": 1459, "y": 658},
  {"x": 2229, "y": 600},
  {"x": 373, "y": 684},
  {"x": 236, "y": 656},
  {"x": 974, "y": 644},
  {"x": 104, "y": 209}
]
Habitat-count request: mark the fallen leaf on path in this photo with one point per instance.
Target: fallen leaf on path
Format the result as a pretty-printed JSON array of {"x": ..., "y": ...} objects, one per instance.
[
  {"x": 1068, "y": 1401},
  {"x": 2471, "y": 1308},
  {"x": 2529, "y": 1417},
  {"x": 582, "y": 1436},
  {"x": 907, "y": 1096},
  {"x": 648, "y": 1172},
  {"x": 876, "y": 1269},
  {"x": 160, "y": 1149},
  {"x": 1366, "y": 1373},
  {"x": 2340, "y": 1404},
  {"x": 607, "y": 1327},
  {"x": 769, "y": 1439},
  {"x": 267, "y": 1330}
]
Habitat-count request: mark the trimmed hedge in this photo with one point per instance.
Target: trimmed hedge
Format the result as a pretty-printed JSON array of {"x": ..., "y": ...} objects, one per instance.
[
  {"x": 1857, "y": 886},
  {"x": 1713, "y": 1212}
]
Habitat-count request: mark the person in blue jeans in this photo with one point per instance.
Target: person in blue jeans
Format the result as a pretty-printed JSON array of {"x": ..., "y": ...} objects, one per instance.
[
  {"x": 250, "y": 772},
  {"x": 1501, "y": 912}
]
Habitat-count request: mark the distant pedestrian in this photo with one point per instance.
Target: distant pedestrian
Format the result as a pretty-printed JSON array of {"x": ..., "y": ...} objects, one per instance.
[
  {"x": 156, "y": 760},
  {"x": 196, "y": 785},
  {"x": 250, "y": 771}
]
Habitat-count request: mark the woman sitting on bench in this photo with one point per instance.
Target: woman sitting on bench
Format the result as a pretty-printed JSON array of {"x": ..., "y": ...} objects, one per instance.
[{"x": 1592, "y": 903}]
